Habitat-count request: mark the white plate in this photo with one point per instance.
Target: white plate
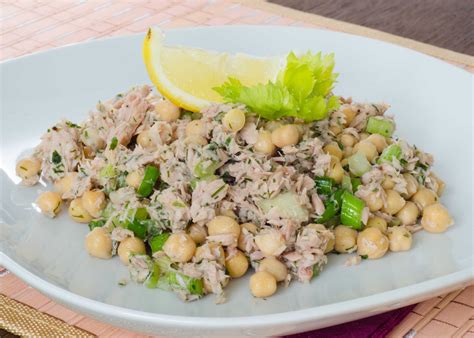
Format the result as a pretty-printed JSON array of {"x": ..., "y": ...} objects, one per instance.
[{"x": 432, "y": 102}]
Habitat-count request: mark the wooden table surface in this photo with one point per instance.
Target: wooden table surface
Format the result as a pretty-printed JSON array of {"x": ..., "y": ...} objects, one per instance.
[{"x": 444, "y": 23}]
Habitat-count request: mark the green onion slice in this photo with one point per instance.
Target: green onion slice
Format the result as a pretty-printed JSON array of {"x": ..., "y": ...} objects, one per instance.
[
  {"x": 149, "y": 179},
  {"x": 351, "y": 211}
]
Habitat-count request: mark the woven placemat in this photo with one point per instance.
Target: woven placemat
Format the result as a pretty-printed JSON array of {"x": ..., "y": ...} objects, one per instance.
[{"x": 28, "y": 26}]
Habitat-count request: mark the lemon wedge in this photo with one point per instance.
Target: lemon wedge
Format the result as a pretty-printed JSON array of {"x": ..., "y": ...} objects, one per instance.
[{"x": 186, "y": 75}]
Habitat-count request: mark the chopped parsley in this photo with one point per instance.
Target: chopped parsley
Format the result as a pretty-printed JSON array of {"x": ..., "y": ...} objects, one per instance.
[
  {"x": 316, "y": 271},
  {"x": 72, "y": 125},
  {"x": 421, "y": 165},
  {"x": 113, "y": 143},
  {"x": 364, "y": 256},
  {"x": 56, "y": 158},
  {"x": 215, "y": 193},
  {"x": 178, "y": 204}
]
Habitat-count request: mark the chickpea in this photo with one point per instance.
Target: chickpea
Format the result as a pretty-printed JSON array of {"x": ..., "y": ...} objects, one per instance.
[
  {"x": 373, "y": 201},
  {"x": 179, "y": 247},
  {"x": 363, "y": 136},
  {"x": 272, "y": 125},
  {"x": 64, "y": 185},
  {"x": 50, "y": 203},
  {"x": 238, "y": 265},
  {"x": 378, "y": 141},
  {"x": 28, "y": 168},
  {"x": 130, "y": 245},
  {"x": 77, "y": 211},
  {"x": 436, "y": 218},
  {"x": 99, "y": 243},
  {"x": 144, "y": 140},
  {"x": 287, "y": 135},
  {"x": 335, "y": 171},
  {"x": 330, "y": 245},
  {"x": 424, "y": 197},
  {"x": 216, "y": 250},
  {"x": 377, "y": 222},
  {"x": 347, "y": 152},
  {"x": 167, "y": 111},
  {"x": 400, "y": 239},
  {"x": 264, "y": 144},
  {"x": 91, "y": 138},
  {"x": 441, "y": 184},
  {"x": 196, "y": 139},
  {"x": 333, "y": 150},
  {"x": 394, "y": 202},
  {"x": 367, "y": 149},
  {"x": 372, "y": 243},
  {"x": 270, "y": 243},
  {"x": 223, "y": 225},
  {"x": 196, "y": 128},
  {"x": 229, "y": 213},
  {"x": 335, "y": 129},
  {"x": 345, "y": 238},
  {"x": 388, "y": 183},
  {"x": 250, "y": 227},
  {"x": 262, "y": 284},
  {"x": 198, "y": 233},
  {"x": 234, "y": 120},
  {"x": 348, "y": 140},
  {"x": 275, "y": 267},
  {"x": 349, "y": 115},
  {"x": 94, "y": 202},
  {"x": 135, "y": 178},
  {"x": 412, "y": 186},
  {"x": 408, "y": 214}
]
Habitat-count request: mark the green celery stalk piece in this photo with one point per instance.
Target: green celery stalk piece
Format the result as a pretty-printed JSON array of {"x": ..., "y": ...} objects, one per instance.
[
  {"x": 97, "y": 223},
  {"x": 108, "y": 171},
  {"x": 356, "y": 182},
  {"x": 138, "y": 227},
  {"x": 332, "y": 207},
  {"x": 378, "y": 125},
  {"x": 152, "y": 280},
  {"x": 149, "y": 179},
  {"x": 346, "y": 183},
  {"x": 358, "y": 164},
  {"x": 389, "y": 153},
  {"x": 156, "y": 242},
  {"x": 179, "y": 281},
  {"x": 141, "y": 214},
  {"x": 324, "y": 185},
  {"x": 203, "y": 172},
  {"x": 351, "y": 211}
]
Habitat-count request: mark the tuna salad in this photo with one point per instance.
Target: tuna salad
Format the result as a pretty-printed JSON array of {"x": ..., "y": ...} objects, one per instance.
[{"x": 189, "y": 201}]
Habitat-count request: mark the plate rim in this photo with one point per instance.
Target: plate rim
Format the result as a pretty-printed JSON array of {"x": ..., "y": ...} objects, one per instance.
[{"x": 385, "y": 301}]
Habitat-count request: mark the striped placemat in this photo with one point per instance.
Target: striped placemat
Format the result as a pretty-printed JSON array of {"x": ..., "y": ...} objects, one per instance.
[{"x": 28, "y": 26}]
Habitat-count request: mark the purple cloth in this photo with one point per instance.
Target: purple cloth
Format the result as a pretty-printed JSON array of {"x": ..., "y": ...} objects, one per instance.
[{"x": 374, "y": 327}]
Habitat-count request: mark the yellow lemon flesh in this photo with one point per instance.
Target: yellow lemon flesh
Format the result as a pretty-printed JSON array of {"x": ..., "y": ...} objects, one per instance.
[{"x": 186, "y": 75}]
